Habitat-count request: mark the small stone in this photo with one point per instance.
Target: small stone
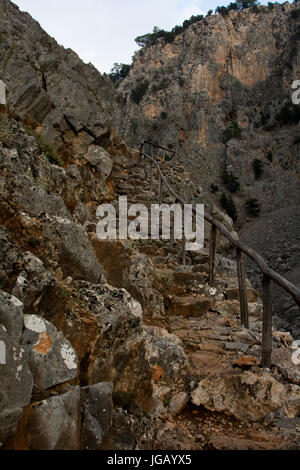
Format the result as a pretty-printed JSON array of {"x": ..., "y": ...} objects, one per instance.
[
  {"x": 237, "y": 346},
  {"x": 246, "y": 362},
  {"x": 178, "y": 403}
]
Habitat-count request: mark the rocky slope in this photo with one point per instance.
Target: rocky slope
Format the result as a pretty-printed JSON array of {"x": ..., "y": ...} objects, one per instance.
[
  {"x": 220, "y": 95},
  {"x": 110, "y": 344}
]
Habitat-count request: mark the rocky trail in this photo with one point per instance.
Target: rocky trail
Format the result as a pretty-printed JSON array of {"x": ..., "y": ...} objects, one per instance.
[{"x": 221, "y": 353}]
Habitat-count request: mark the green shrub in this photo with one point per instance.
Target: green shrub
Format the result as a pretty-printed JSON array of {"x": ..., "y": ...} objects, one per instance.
[
  {"x": 252, "y": 207},
  {"x": 149, "y": 39},
  {"x": 227, "y": 203},
  {"x": 296, "y": 13},
  {"x": 255, "y": 9},
  {"x": 138, "y": 93},
  {"x": 233, "y": 131},
  {"x": 297, "y": 140},
  {"x": 214, "y": 188},
  {"x": 258, "y": 168},
  {"x": 163, "y": 115},
  {"x": 6, "y": 130},
  {"x": 230, "y": 181},
  {"x": 119, "y": 72},
  {"x": 289, "y": 114},
  {"x": 265, "y": 117},
  {"x": 222, "y": 11},
  {"x": 162, "y": 85},
  {"x": 270, "y": 156},
  {"x": 46, "y": 148}
]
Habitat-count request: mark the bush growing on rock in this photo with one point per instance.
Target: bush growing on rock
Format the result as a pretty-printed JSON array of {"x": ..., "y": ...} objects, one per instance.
[
  {"x": 214, "y": 188},
  {"x": 138, "y": 93},
  {"x": 289, "y": 114},
  {"x": 252, "y": 207},
  {"x": 258, "y": 168},
  {"x": 46, "y": 148},
  {"x": 233, "y": 131},
  {"x": 296, "y": 13},
  {"x": 230, "y": 181},
  {"x": 6, "y": 130},
  {"x": 227, "y": 203},
  {"x": 119, "y": 72},
  {"x": 297, "y": 140},
  {"x": 222, "y": 11}
]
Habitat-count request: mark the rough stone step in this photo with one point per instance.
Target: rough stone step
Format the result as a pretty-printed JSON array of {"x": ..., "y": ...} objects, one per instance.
[
  {"x": 233, "y": 294},
  {"x": 232, "y": 307},
  {"x": 200, "y": 268},
  {"x": 186, "y": 278},
  {"x": 190, "y": 306}
]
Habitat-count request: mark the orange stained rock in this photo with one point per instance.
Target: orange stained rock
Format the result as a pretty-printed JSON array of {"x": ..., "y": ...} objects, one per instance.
[{"x": 44, "y": 345}]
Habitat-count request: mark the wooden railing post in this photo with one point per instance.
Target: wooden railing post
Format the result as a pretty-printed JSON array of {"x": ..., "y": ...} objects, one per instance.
[
  {"x": 242, "y": 288},
  {"x": 213, "y": 249},
  {"x": 267, "y": 323},
  {"x": 183, "y": 251},
  {"x": 141, "y": 157},
  {"x": 160, "y": 190}
]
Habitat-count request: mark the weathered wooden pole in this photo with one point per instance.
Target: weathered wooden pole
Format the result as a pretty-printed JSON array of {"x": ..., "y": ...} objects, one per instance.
[
  {"x": 160, "y": 190},
  {"x": 212, "y": 258},
  {"x": 183, "y": 251},
  {"x": 267, "y": 323},
  {"x": 242, "y": 288}
]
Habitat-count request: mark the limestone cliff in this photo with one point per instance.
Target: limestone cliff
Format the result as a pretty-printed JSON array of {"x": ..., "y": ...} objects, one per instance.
[{"x": 222, "y": 72}]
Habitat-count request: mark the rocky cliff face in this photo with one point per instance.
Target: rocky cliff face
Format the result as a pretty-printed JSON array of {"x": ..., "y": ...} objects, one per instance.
[
  {"x": 112, "y": 344},
  {"x": 220, "y": 95},
  {"x": 222, "y": 72}
]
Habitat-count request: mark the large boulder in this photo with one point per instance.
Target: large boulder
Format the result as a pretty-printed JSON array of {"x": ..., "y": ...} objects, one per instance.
[
  {"x": 15, "y": 377},
  {"x": 100, "y": 159},
  {"x": 78, "y": 419},
  {"x": 51, "y": 357},
  {"x": 248, "y": 396}
]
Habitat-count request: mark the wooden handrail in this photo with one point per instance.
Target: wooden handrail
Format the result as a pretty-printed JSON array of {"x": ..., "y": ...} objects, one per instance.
[
  {"x": 268, "y": 273},
  {"x": 159, "y": 147},
  {"x": 260, "y": 262}
]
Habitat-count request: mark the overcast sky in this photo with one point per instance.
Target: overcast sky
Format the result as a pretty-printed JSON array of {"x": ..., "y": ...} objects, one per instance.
[{"x": 103, "y": 31}]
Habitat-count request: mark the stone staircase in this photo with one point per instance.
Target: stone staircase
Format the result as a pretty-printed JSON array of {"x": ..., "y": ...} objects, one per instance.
[{"x": 207, "y": 321}]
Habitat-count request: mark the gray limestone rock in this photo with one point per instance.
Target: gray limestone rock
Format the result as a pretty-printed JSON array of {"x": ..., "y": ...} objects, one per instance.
[
  {"x": 100, "y": 159},
  {"x": 15, "y": 377},
  {"x": 51, "y": 358},
  {"x": 96, "y": 412},
  {"x": 178, "y": 403},
  {"x": 11, "y": 315},
  {"x": 32, "y": 281},
  {"x": 53, "y": 423},
  {"x": 78, "y": 419}
]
